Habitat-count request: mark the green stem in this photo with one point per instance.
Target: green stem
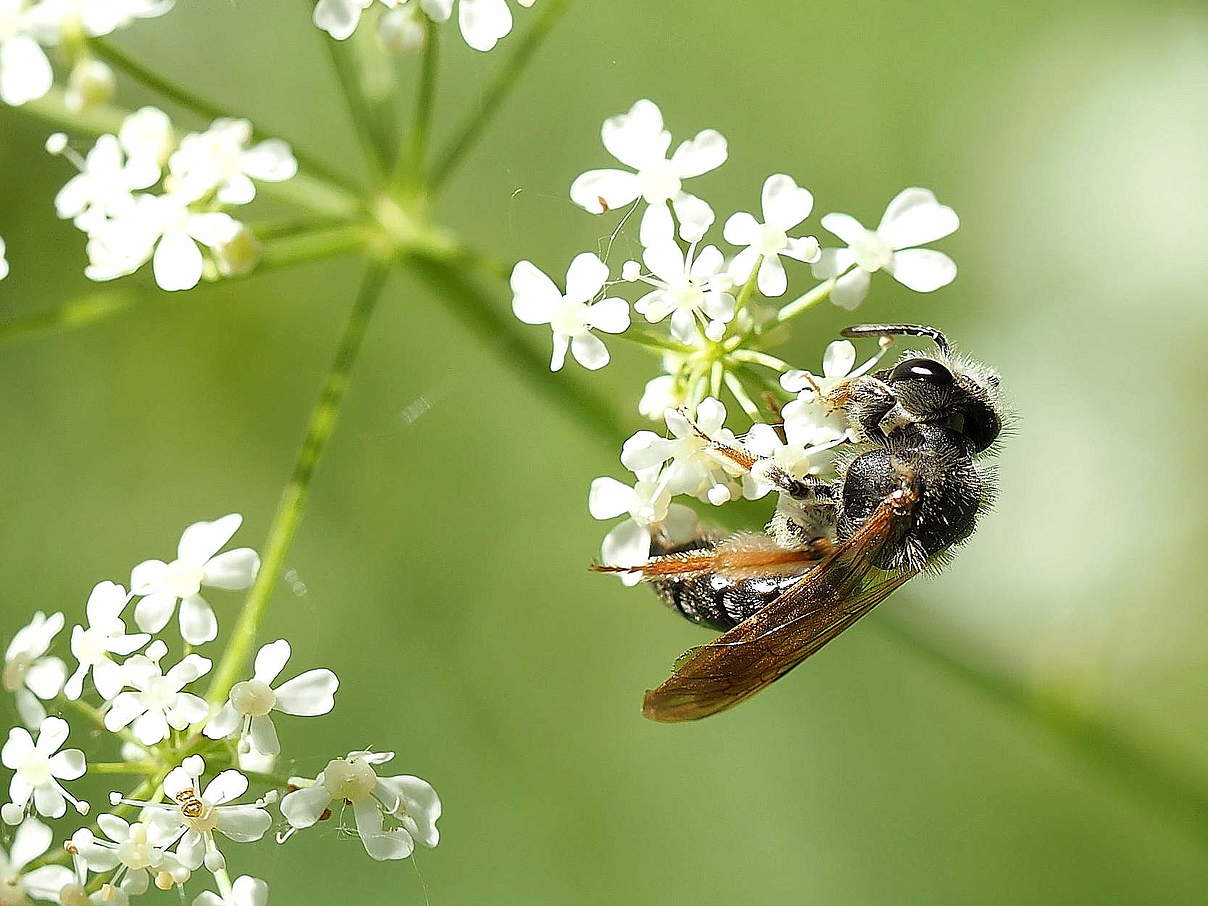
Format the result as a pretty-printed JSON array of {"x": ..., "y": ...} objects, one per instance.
[
  {"x": 374, "y": 143},
  {"x": 410, "y": 164},
  {"x": 78, "y": 312},
  {"x": 496, "y": 92},
  {"x": 141, "y": 768},
  {"x": 200, "y": 105},
  {"x": 819, "y": 293},
  {"x": 293, "y": 500},
  {"x": 98, "y": 719},
  {"x": 748, "y": 288},
  {"x": 742, "y": 397},
  {"x": 654, "y": 341},
  {"x": 312, "y": 246}
]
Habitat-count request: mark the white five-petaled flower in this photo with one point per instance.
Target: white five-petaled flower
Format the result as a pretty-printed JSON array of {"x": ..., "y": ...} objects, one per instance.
[
  {"x": 693, "y": 468},
  {"x": 219, "y": 161},
  {"x": 194, "y": 815},
  {"x": 687, "y": 287},
  {"x": 648, "y": 504},
  {"x": 158, "y": 702},
  {"x": 106, "y": 634},
  {"x": 812, "y": 419},
  {"x": 392, "y": 813},
  {"x": 249, "y": 706},
  {"x": 785, "y": 204},
  {"x": 246, "y": 891},
  {"x": 3, "y": 260},
  {"x": 913, "y": 218},
  {"x": 572, "y": 316},
  {"x": 25, "y": 73},
  {"x": 109, "y": 175},
  {"x": 33, "y": 839},
  {"x": 37, "y": 769},
  {"x": 197, "y": 564},
  {"x": 133, "y": 852},
  {"x": 638, "y": 140},
  {"x": 28, "y": 673}
]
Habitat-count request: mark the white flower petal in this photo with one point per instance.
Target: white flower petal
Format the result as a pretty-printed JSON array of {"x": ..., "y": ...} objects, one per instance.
[
  {"x": 740, "y": 229},
  {"x": 107, "y": 600},
  {"x": 153, "y": 612},
  {"x": 107, "y": 678},
  {"x": 222, "y": 724},
  {"x": 839, "y": 358},
  {"x": 627, "y": 544},
  {"x": 694, "y": 214},
  {"x": 45, "y": 677},
  {"x": 49, "y": 801},
  {"x": 923, "y": 270},
  {"x": 850, "y": 289},
  {"x": 705, "y": 152},
  {"x": 915, "y": 217},
  {"x": 534, "y": 295},
  {"x": 381, "y": 845},
  {"x": 303, "y": 807},
  {"x": 656, "y": 225},
  {"x": 198, "y": 624},
  {"x": 32, "y": 839},
  {"x": 45, "y": 883},
  {"x": 232, "y": 570},
  {"x": 833, "y": 262},
  {"x": 51, "y": 735},
  {"x": 177, "y": 262},
  {"x": 202, "y": 540},
  {"x": 609, "y": 498},
  {"x": 585, "y": 277},
  {"x": 598, "y": 191},
  {"x": 271, "y": 160},
  {"x": 68, "y": 765},
  {"x": 437, "y": 10},
  {"x": 665, "y": 260},
  {"x": 844, "y": 226},
  {"x": 271, "y": 660},
  {"x": 610, "y": 315},
  {"x": 125, "y": 707},
  {"x": 25, "y": 73},
  {"x": 145, "y": 577},
  {"x": 226, "y": 787},
  {"x": 150, "y": 727},
  {"x": 636, "y": 138},
  {"x": 785, "y": 204},
  {"x": 772, "y": 279},
  {"x": 484, "y": 22},
  {"x": 248, "y": 891},
  {"x": 29, "y": 709},
  {"x": 589, "y": 351},
  {"x": 558, "y": 358},
  {"x": 308, "y": 694},
  {"x": 339, "y": 18}
]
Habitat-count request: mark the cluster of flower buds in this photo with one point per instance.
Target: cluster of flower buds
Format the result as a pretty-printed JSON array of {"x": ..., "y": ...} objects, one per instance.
[
  {"x": 711, "y": 315},
  {"x": 197, "y": 758}
]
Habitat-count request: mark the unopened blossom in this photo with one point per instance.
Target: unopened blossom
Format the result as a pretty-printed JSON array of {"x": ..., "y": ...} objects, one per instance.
[
  {"x": 689, "y": 287},
  {"x": 572, "y": 316},
  {"x": 135, "y": 853},
  {"x": 38, "y": 767},
  {"x": 158, "y": 700},
  {"x": 17, "y": 886},
  {"x": 913, "y": 218},
  {"x": 28, "y": 673},
  {"x": 648, "y": 504},
  {"x": 392, "y": 813},
  {"x": 194, "y": 815},
  {"x": 25, "y": 73},
  {"x": 692, "y": 468},
  {"x": 246, "y": 891},
  {"x": 249, "y": 707},
  {"x": 197, "y": 564},
  {"x": 785, "y": 205},
  {"x": 221, "y": 161},
  {"x": 814, "y": 418},
  {"x": 638, "y": 140},
  {"x": 90, "y": 83},
  {"x": 3, "y": 260},
  {"x": 105, "y": 635}
]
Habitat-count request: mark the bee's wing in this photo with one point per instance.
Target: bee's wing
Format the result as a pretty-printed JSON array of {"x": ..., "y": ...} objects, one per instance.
[{"x": 767, "y": 645}]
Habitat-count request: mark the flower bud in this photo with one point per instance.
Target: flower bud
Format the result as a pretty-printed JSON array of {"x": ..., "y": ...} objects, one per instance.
[{"x": 91, "y": 83}]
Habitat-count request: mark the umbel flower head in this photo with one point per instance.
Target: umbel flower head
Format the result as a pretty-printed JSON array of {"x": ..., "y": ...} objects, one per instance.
[
  {"x": 250, "y": 705},
  {"x": 392, "y": 813},
  {"x": 39, "y": 769},
  {"x": 197, "y": 564},
  {"x": 28, "y": 673}
]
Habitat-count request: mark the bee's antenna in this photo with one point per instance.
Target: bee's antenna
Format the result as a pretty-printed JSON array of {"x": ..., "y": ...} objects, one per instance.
[{"x": 891, "y": 330}]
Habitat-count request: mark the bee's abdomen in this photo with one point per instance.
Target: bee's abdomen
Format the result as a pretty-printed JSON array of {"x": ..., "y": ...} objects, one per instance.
[{"x": 718, "y": 601}]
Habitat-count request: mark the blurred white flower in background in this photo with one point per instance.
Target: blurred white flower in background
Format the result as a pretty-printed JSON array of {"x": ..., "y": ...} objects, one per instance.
[
  {"x": 158, "y": 701},
  {"x": 638, "y": 140},
  {"x": 31, "y": 841},
  {"x": 222, "y": 161},
  {"x": 25, "y": 73},
  {"x": 3, "y": 260},
  {"x": 392, "y": 813},
  {"x": 536, "y": 299},
  {"x": 249, "y": 706},
  {"x": 785, "y": 205},
  {"x": 106, "y": 634},
  {"x": 37, "y": 769},
  {"x": 197, "y": 564},
  {"x": 28, "y": 673},
  {"x": 914, "y": 217}
]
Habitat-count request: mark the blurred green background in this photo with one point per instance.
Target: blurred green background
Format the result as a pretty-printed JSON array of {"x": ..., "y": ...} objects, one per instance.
[{"x": 440, "y": 567}]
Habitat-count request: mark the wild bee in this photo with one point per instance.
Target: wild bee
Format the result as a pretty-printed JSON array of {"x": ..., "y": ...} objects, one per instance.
[
  {"x": 191, "y": 805},
  {"x": 908, "y": 490}
]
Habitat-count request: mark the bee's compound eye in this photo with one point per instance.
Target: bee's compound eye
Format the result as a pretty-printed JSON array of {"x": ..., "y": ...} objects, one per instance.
[{"x": 927, "y": 370}]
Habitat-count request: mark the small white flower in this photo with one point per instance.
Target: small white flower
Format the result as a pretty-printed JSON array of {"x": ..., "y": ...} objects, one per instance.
[
  {"x": 250, "y": 704},
  {"x": 659, "y": 395},
  {"x": 392, "y": 813},
  {"x": 159, "y": 702},
  {"x": 638, "y": 140},
  {"x": 28, "y": 674},
  {"x": 38, "y": 768},
  {"x": 32, "y": 839},
  {"x": 482, "y": 22},
  {"x": 3, "y": 260},
  {"x": 913, "y": 218},
  {"x": 90, "y": 83},
  {"x": 133, "y": 852},
  {"x": 25, "y": 73},
  {"x": 105, "y": 635},
  {"x": 537, "y": 300},
  {"x": 785, "y": 204},
  {"x": 197, "y": 564},
  {"x": 687, "y": 288},
  {"x": 219, "y": 161},
  {"x": 812, "y": 419},
  {"x": 648, "y": 503},
  {"x": 246, "y": 891},
  {"x": 693, "y": 468},
  {"x": 105, "y": 185},
  {"x": 797, "y": 454},
  {"x": 194, "y": 815}
]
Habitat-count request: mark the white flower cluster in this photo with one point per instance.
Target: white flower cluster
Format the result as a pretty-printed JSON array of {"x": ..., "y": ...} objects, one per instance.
[
  {"x": 148, "y": 705},
  {"x": 182, "y": 229},
  {"x": 29, "y": 26},
  {"x": 482, "y": 22},
  {"x": 722, "y": 312}
]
